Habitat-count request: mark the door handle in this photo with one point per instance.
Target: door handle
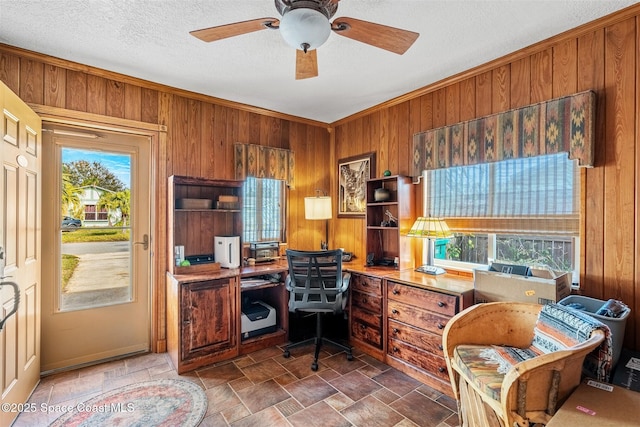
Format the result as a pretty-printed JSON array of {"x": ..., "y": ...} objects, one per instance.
[
  {"x": 16, "y": 301},
  {"x": 144, "y": 243}
]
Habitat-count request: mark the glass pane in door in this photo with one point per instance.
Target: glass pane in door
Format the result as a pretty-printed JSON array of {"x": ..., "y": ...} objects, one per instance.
[{"x": 95, "y": 229}]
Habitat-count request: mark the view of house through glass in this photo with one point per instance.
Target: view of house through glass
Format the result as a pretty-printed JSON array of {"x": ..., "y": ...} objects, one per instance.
[{"x": 95, "y": 229}]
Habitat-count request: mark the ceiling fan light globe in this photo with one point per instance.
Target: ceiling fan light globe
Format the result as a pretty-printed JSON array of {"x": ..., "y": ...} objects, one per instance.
[{"x": 305, "y": 26}]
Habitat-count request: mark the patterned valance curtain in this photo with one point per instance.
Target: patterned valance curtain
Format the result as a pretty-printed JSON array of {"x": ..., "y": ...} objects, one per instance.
[
  {"x": 560, "y": 125},
  {"x": 264, "y": 162}
]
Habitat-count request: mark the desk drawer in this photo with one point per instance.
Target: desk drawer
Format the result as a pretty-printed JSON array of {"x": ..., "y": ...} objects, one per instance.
[
  {"x": 416, "y": 337},
  {"x": 414, "y": 316},
  {"x": 423, "y": 298},
  {"x": 366, "y": 302},
  {"x": 368, "y": 317},
  {"x": 367, "y": 284},
  {"x": 431, "y": 363},
  {"x": 366, "y": 332}
]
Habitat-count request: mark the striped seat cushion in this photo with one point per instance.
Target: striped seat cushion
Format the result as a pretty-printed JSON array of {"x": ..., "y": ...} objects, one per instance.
[{"x": 486, "y": 366}]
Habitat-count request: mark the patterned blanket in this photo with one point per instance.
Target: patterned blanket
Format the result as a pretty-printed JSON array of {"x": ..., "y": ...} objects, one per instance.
[{"x": 559, "y": 327}]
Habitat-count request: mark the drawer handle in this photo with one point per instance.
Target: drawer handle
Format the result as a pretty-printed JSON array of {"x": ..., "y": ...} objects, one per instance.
[
  {"x": 440, "y": 326},
  {"x": 395, "y": 292},
  {"x": 394, "y": 311},
  {"x": 441, "y": 369},
  {"x": 395, "y": 349},
  {"x": 363, "y": 327},
  {"x": 440, "y": 347},
  {"x": 441, "y": 304},
  {"x": 364, "y": 300},
  {"x": 395, "y": 331}
]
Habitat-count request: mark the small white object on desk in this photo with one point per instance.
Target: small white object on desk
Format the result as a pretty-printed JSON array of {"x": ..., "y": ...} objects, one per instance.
[{"x": 430, "y": 269}]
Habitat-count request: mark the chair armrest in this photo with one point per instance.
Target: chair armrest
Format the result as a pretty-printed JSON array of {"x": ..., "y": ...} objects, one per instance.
[
  {"x": 346, "y": 278},
  {"x": 495, "y": 323},
  {"x": 287, "y": 283},
  {"x": 554, "y": 360},
  {"x": 536, "y": 371}
]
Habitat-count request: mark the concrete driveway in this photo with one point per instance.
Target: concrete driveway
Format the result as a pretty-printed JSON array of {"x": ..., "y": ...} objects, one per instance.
[{"x": 101, "y": 276}]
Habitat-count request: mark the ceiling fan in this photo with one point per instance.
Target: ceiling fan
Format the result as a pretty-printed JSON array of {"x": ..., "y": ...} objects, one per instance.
[{"x": 305, "y": 26}]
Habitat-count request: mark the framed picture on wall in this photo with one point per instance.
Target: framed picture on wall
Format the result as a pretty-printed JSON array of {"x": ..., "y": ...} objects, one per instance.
[{"x": 353, "y": 173}]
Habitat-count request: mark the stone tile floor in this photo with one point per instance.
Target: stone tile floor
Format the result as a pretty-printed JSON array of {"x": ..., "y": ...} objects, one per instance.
[{"x": 265, "y": 389}]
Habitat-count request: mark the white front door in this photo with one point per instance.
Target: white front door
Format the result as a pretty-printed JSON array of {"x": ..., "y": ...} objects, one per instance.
[
  {"x": 20, "y": 250},
  {"x": 97, "y": 290}
]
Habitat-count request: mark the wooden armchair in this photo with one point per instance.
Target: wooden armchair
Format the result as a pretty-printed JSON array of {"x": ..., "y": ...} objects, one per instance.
[{"x": 526, "y": 391}]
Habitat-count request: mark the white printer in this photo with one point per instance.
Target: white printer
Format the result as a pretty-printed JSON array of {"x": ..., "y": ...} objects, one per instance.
[{"x": 257, "y": 318}]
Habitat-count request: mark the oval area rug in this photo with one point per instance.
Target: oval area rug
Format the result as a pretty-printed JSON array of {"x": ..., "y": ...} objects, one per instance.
[{"x": 165, "y": 402}]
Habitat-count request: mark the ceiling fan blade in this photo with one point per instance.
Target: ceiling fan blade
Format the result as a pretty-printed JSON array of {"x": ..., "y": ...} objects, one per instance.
[
  {"x": 231, "y": 30},
  {"x": 392, "y": 39},
  {"x": 306, "y": 64}
]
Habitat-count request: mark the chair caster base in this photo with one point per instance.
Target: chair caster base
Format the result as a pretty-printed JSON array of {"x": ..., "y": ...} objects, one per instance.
[
  {"x": 286, "y": 354},
  {"x": 314, "y": 367}
]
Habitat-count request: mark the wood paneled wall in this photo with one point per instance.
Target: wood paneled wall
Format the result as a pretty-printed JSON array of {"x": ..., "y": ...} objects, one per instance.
[
  {"x": 199, "y": 140},
  {"x": 602, "y": 56}
]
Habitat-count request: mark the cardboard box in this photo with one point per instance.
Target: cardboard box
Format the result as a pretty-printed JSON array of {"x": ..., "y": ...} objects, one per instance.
[
  {"x": 542, "y": 287},
  {"x": 627, "y": 373},
  {"x": 598, "y": 404}
]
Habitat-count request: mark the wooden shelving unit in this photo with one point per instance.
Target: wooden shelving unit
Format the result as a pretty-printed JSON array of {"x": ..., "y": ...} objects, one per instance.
[
  {"x": 195, "y": 229},
  {"x": 386, "y": 238}
]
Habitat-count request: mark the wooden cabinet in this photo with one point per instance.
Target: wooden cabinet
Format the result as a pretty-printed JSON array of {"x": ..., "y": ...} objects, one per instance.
[
  {"x": 202, "y": 320},
  {"x": 416, "y": 316},
  {"x": 389, "y": 219},
  {"x": 366, "y": 313},
  {"x": 204, "y": 313},
  {"x": 199, "y": 210}
]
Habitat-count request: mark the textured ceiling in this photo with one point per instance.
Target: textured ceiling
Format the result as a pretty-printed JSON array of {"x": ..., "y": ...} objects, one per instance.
[{"x": 150, "y": 39}]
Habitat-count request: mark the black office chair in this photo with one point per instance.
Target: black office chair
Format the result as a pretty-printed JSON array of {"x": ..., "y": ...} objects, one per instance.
[{"x": 316, "y": 284}]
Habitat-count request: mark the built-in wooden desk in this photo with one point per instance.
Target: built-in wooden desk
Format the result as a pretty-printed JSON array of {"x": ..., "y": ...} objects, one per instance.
[
  {"x": 203, "y": 314},
  {"x": 398, "y": 317}
]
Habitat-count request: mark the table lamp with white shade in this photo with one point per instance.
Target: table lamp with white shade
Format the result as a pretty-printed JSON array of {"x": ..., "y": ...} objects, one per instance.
[{"x": 319, "y": 208}]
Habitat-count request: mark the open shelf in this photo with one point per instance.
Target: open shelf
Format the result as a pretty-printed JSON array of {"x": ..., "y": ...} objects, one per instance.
[{"x": 388, "y": 221}]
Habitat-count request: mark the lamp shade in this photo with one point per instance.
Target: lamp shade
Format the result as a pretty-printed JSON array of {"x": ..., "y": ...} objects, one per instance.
[
  {"x": 305, "y": 28},
  {"x": 431, "y": 228},
  {"x": 317, "y": 207}
]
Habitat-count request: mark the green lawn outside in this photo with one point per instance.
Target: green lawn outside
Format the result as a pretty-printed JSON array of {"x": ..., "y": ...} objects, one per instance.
[
  {"x": 69, "y": 264},
  {"x": 95, "y": 235}
]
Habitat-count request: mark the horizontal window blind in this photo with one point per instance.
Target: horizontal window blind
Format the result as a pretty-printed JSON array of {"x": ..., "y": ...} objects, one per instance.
[
  {"x": 263, "y": 209},
  {"x": 533, "y": 195}
]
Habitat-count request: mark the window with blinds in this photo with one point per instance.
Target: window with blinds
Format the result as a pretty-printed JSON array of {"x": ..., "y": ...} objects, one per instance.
[
  {"x": 533, "y": 195},
  {"x": 521, "y": 210},
  {"x": 263, "y": 213}
]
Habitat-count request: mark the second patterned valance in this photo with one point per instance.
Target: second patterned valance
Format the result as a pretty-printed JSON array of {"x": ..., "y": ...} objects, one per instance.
[
  {"x": 264, "y": 162},
  {"x": 560, "y": 125}
]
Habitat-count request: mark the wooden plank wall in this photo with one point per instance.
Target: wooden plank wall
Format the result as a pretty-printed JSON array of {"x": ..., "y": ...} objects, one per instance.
[
  {"x": 603, "y": 57},
  {"x": 200, "y": 135}
]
